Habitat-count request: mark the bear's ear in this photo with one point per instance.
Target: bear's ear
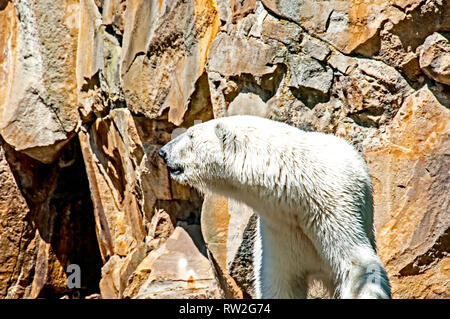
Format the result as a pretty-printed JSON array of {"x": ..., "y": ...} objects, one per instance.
[{"x": 223, "y": 133}]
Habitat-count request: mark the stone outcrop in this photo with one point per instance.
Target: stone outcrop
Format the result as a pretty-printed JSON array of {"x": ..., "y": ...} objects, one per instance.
[
  {"x": 413, "y": 230},
  {"x": 46, "y": 225},
  {"x": 39, "y": 74},
  {"x": 165, "y": 46},
  {"x": 435, "y": 57},
  {"x": 177, "y": 270},
  {"x": 90, "y": 90}
]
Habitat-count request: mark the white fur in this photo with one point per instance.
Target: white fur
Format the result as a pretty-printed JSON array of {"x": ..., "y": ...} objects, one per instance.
[{"x": 313, "y": 196}]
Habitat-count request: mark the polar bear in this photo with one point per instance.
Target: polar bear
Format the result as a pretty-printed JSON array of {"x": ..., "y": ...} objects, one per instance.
[{"x": 312, "y": 193}]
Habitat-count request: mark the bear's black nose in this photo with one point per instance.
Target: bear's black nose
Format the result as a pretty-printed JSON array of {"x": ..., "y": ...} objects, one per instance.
[{"x": 162, "y": 153}]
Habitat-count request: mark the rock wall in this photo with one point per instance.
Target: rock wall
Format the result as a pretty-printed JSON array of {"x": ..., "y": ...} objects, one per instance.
[{"x": 90, "y": 89}]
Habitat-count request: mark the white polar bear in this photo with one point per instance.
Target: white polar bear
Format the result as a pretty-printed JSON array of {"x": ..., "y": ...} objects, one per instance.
[{"x": 311, "y": 191}]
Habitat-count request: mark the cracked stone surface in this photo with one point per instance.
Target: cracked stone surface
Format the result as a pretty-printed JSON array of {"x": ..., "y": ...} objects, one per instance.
[{"x": 90, "y": 90}]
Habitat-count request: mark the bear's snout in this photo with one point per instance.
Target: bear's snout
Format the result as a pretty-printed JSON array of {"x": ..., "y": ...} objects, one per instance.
[{"x": 174, "y": 169}]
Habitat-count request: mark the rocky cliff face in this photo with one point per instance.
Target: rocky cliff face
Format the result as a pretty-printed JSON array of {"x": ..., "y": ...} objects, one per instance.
[{"x": 90, "y": 89}]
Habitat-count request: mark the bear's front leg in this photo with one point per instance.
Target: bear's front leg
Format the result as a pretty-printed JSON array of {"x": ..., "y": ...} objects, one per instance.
[{"x": 275, "y": 275}]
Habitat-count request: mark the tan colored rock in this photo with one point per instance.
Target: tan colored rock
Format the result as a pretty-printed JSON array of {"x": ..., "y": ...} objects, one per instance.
[
  {"x": 112, "y": 151},
  {"x": 435, "y": 58},
  {"x": 45, "y": 225},
  {"x": 215, "y": 228},
  {"x": 308, "y": 74},
  {"x": 161, "y": 226},
  {"x": 391, "y": 31},
  {"x": 117, "y": 271},
  {"x": 13, "y": 223},
  {"x": 110, "y": 281},
  {"x": 89, "y": 57},
  {"x": 8, "y": 40},
  {"x": 40, "y": 77},
  {"x": 397, "y": 43},
  {"x": 240, "y": 9},
  {"x": 98, "y": 59},
  {"x": 48, "y": 270},
  {"x": 315, "y": 48},
  {"x": 90, "y": 49},
  {"x": 248, "y": 103},
  {"x": 240, "y": 246},
  {"x": 227, "y": 52},
  {"x": 240, "y": 216},
  {"x": 137, "y": 270},
  {"x": 165, "y": 47},
  {"x": 178, "y": 271},
  {"x": 141, "y": 273},
  {"x": 411, "y": 176},
  {"x": 345, "y": 24},
  {"x": 294, "y": 112},
  {"x": 224, "y": 223},
  {"x": 431, "y": 284},
  {"x": 128, "y": 183},
  {"x": 214, "y": 222},
  {"x": 113, "y": 14},
  {"x": 342, "y": 63},
  {"x": 288, "y": 33},
  {"x": 129, "y": 265},
  {"x": 241, "y": 86},
  {"x": 372, "y": 92}
]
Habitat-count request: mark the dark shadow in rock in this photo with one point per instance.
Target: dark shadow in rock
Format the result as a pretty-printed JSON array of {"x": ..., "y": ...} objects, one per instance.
[
  {"x": 441, "y": 92},
  {"x": 430, "y": 258},
  {"x": 111, "y": 161},
  {"x": 265, "y": 86},
  {"x": 186, "y": 214},
  {"x": 3, "y": 4},
  {"x": 369, "y": 117},
  {"x": 310, "y": 97},
  {"x": 200, "y": 108},
  {"x": 62, "y": 213},
  {"x": 242, "y": 267}
]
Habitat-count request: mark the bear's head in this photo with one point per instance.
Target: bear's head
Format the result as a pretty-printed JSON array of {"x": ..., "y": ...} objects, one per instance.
[{"x": 197, "y": 157}]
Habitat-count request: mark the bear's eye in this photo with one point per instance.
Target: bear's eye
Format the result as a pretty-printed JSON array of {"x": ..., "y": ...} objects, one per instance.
[{"x": 190, "y": 135}]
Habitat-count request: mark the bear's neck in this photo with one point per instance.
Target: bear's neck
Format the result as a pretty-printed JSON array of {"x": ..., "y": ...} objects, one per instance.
[{"x": 261, "y": 179}]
